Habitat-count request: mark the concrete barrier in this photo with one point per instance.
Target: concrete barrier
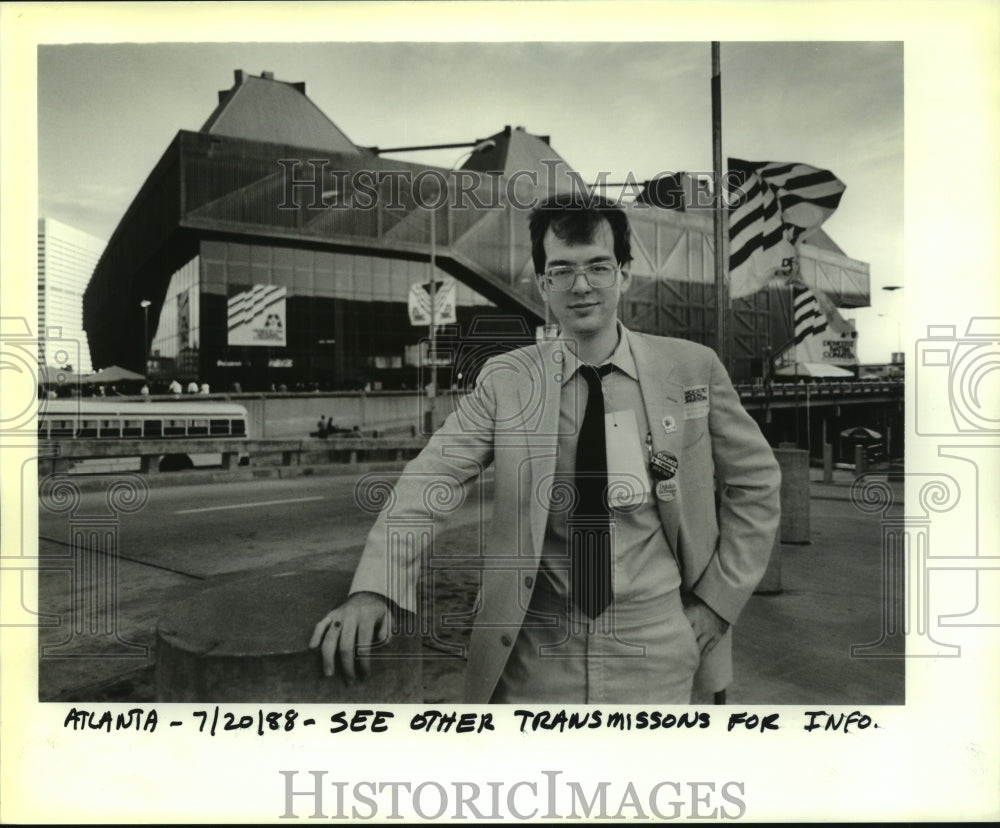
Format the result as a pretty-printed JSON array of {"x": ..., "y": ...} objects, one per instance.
[
  {"x": 794, "y": 464},
  {"x": 827, "y": 462},
  {"x": 246, "y": 640},
  {"x": 66, "y": 455},
  {"x": 860, "y": 460}
]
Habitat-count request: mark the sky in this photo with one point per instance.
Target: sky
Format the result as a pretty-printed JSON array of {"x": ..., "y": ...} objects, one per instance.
[{"x": 106, "y": 113}]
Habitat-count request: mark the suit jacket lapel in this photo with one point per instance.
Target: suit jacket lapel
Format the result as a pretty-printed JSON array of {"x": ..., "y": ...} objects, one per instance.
[
  {"x": 662, "y": 398},
  {"x": 541, "y": 434}
]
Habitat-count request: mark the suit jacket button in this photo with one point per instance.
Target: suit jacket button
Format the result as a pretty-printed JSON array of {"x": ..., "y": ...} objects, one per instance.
[
  {"x": 505, "y": 640},
  {"x": 529, "y": 581}
]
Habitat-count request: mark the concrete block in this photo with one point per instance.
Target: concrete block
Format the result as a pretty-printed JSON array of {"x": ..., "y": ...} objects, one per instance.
[
  {"x": 794, "y": 464},
  {"x": 246, "y": 640}
]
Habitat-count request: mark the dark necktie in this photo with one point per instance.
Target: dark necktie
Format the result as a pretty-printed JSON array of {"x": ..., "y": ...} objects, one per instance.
[{"x": 590, "y": 526}]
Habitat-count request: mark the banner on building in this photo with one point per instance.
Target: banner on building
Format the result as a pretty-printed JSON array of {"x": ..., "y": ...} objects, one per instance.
[
  {"x": 184, "y": 319},
  {"x": 257, "y": 316},
  {"x": 822, "y": 335},
  {"x": 419, "y": 303}
]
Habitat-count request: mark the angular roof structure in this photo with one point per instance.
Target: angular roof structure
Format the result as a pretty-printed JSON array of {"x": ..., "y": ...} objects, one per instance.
[
  {"x": 268, "y": 167},
  {"x": 276, "y": 112},
  {"x": 514, "y": 152}
]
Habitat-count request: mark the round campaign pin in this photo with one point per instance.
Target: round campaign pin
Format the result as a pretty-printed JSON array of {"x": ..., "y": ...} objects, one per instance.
[
  {"x": 666, "y": 490},
  {"x": 669, "y": 424},
  {"x": 664, "y": 464}
]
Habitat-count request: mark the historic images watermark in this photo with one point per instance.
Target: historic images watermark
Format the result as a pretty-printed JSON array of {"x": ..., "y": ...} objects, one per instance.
[
  {"x": 91, "y": 621},
  {"x": 312, "y": 795},
  {"x": 956, "y": 385},
  {"x": 316, "y": 184},
  {"x": 23, "y": 369},
  {"x": 93, "y": 624}
]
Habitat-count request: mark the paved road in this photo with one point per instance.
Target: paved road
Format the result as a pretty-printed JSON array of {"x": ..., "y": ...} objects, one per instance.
[
  {"x": 791, "y": 648},
  {"x": 180, "y": 538},
  {"x": 208, "y": 530}
]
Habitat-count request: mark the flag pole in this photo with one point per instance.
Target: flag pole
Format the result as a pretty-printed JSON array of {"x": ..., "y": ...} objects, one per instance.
[
  {"x": 721, "y": 292},
  {"x": 432, "y": 387}
]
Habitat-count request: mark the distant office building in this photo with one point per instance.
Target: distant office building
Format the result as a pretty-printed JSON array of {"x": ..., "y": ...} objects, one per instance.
[
  {"x": 66, "y": 261},
  {"x": 276, "y": 252}
]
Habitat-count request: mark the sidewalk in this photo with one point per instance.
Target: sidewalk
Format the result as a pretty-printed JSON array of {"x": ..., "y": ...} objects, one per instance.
[{"x": 792, "y": 646}]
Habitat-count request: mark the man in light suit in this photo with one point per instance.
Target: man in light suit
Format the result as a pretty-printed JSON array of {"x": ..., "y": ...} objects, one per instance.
[{"x": 689, "y": 493}]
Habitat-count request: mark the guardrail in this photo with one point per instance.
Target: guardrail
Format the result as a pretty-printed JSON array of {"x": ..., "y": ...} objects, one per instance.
[
  {"x": 854, "y": 388},
  {"x": 63, "y": 455}
]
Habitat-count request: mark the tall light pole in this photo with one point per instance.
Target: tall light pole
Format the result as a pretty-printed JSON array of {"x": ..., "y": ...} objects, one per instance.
[
  {"x": 144, "y": 304},
  {"x": 722, "y": 320},
  {"x": 489, "y": 143}
]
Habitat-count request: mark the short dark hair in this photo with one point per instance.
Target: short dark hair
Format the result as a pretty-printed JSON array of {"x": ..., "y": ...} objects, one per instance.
[{"x": 575, "y": 218}]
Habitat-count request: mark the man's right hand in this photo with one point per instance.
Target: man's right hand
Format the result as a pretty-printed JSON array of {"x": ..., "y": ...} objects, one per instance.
[{"x": 350, "y": 630}]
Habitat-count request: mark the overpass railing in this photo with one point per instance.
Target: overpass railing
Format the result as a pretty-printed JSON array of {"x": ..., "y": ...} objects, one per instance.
[{"x": 75, "y": 455}]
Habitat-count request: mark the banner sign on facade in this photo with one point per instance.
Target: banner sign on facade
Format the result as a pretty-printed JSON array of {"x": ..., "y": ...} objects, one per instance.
[
  {"x": 822, "y": 335},
  {"x": 184, "y": 318},
  {"x": 419, "y": 303},
  {"x": 257, "y": 316}
]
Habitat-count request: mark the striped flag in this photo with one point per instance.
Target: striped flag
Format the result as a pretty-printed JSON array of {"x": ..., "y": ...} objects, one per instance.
[
  {"x": 821, "y": 334},
  {"x": 773, "y": 206},
  {"x": 809, "y": 320}
]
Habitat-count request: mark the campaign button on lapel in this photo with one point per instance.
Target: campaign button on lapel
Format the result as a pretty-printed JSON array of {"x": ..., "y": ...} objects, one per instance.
[
  {"x": 669, "y": 425},
  {"x": 664, "y": 464},
  {"x": 666, "y": 490}
]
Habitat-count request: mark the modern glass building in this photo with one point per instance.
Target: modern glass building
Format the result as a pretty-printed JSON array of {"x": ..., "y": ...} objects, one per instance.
[{"x": 274, "y": 252}]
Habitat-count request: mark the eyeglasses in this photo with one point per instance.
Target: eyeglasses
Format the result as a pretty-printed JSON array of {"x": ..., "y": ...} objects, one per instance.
[{"x": 598, "y": 275}]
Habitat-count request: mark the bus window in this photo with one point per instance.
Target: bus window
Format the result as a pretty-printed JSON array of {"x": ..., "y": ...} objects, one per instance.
[
  {"x": 239, "y": 428},
  {"x": 111, "y": 428},
  {"x": 152, "y": 428},
  {"x": 198, "y": 428},
  {"x": 219, "y": 427},
  {"x": 88, "y": 428},
  {"x": 174, "y": 428},
  {"x": 132, "y": 428},
  {"x": 61, "y": 428}
]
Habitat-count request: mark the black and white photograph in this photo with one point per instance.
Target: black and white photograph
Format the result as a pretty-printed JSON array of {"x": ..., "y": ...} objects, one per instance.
[{"x": 586, "y": 383}]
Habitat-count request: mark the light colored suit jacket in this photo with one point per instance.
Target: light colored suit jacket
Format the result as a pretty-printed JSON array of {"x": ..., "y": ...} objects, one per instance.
[{"x": 511, "y": 420}]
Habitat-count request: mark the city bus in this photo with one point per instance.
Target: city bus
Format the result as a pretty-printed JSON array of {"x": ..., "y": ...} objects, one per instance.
[{"x": 87, "y": 418}]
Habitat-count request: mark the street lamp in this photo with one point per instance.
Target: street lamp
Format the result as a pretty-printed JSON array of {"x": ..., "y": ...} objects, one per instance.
[{"x": 144, "y": 304}]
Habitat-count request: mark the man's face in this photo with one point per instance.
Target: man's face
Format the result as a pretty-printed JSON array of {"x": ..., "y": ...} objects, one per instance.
[{"x": 583, "y": 311}]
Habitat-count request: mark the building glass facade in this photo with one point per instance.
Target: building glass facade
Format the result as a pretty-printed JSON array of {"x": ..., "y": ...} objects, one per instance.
[
  {"x": 344, "y": 320},
  {"x": 251, "y": 285},
  {"x": 174, "y": 351}
]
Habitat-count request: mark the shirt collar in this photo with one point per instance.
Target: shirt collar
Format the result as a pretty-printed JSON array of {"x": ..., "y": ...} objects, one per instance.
[{"x": 622, "y": 357}]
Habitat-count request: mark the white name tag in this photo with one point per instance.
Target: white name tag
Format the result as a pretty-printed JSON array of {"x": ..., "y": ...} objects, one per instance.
[
  {"x": 695, "y": 402},
  {"x": 628, "y": 483}
]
